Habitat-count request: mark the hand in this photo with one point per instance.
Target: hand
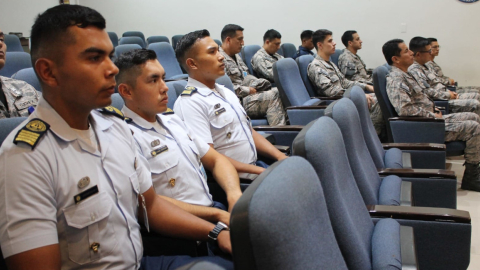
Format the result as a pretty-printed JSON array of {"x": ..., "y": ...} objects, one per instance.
[
  {"x": 438, "y": 114},
  {"x": 452, "y": 81},
  {"x": 224, "y": 243},
  {"x": 453, "y": 95},
  {"x": 223, "y": 216},
  {"x": 369, "y": 88},
  {"x": 282, "y": 157},
  {"x": 253, "y": 91},
  {"x": 232, "y": 200},
  {"x": 369, "y": 100}
]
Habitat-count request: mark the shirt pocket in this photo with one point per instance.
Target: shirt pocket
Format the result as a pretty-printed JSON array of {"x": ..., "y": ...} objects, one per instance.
[
  {"x": 88, "y": 227},
  {"x": 222, "y": 125},
  {"x": 164, "y": 168}
]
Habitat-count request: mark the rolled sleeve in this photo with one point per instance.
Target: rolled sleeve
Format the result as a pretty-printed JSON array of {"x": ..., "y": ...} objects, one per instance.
[{"x": 195, "y": 118}]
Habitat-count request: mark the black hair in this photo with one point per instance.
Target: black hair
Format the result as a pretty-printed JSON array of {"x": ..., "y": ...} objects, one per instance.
[
  {"x": 129, "y": 62},
  {"x": 418, "y": 44},
  {"x": 50, "y": 31},
  {"x": 319, "y": 36},
  {"x": 307, "y": 34},
  {"x": 348, "y": 36},
  {"x": 391, "y": 49},
  {"x": 271, "y": 34},
  {"x": 230, "y": 30},
  {"x": 431, "y": 39},
  {"x": 185, "y": 44}
]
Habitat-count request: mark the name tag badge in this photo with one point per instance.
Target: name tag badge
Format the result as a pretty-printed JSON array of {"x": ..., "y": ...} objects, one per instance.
[
  {"x": 160, "y": 150},
  {"x": 220, "y": 111},
  {"x": 85, "y": 195}
]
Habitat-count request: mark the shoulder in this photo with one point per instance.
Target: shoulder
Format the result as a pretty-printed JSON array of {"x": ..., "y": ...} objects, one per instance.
[
  {"x": 110, "y": 110},
  {"x": 29, "y": 133},
  {"x": 189, "y": 91}
]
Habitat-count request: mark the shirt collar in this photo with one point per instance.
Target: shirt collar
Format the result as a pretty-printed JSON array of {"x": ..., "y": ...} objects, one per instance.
[
  {"x": 202, "y": 89},
  {"x": 138, "y": 120}
]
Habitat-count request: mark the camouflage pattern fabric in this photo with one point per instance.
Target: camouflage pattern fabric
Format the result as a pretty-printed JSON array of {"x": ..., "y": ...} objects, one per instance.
[
  {"x": 262, "y": 64},
  {"x": 19, "y": 95},
  {"x": 353, "y": 67}
]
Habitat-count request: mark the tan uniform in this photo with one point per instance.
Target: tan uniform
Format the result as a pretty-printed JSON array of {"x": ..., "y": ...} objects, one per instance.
[
  {"x": 19, "y": 95},
  {"x": 262, "y": 64},
  {"x": 353, "y": 67},
  {"x": 437, "y": 70}
]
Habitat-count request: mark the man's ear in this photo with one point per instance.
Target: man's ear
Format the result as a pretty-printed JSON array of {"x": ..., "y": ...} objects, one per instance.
[
  {"x": 191, "y": 63},
  {"x": 395, "y": 59},
  {"x": 46, "y": 71},
  {"x": 125, "y": 91}
]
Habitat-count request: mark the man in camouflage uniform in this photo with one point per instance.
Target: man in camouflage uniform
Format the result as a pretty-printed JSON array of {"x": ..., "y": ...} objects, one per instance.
[
  {"x": 437, "y": 70},
  {"x": 329, "y": 81},
  {"x": 263, "y": 60},
  {"x": 350, "y": 63},
  {"x": 408, "y": 98},
  {"x": 258, "y": 97},
  {"x": 15, "y": 96},
  {"x": 465, "y": 102}
]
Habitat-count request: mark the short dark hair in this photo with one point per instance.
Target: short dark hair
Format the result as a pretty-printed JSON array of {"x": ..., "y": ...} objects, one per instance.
[
  {"x": 50, "y": 30},
  {"x": 129, "y": 64},
  {"x": 418, "y": 44},
  {"x": 348, "y": 36},
  {"x": 319, "y": 36},
  {"x": 185, "y": 44},
  {"x": 431, "y": 39},
  {"x": 271, "y": 34},
  {"x": 307, "y": 34},
  {"x": 391, "y": 49},
  {"x": 230, "y": 30}
]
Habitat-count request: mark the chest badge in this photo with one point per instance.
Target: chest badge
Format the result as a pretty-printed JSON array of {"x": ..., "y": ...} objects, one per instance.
[
  {"x": 155, "y": 143},
  {"x": 220, "y": 111},
  {"x": 85, "y": 181},
  {"x": 216, "y": 106},
  {"x": 160, "y": 150}
]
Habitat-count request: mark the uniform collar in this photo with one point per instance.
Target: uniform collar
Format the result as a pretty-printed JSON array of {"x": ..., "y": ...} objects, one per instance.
[
  {"x": 202, "y": 89},
  {"x": 60, "y": 127},
  {"x": 352, "y": 54},
  {"x": 138, "y": 120}
]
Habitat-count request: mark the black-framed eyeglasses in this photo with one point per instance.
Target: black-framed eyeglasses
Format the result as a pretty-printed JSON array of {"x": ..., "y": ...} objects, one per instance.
[
  {"x": 429, "y": 51},
  {"x": 436, "y": 47}
]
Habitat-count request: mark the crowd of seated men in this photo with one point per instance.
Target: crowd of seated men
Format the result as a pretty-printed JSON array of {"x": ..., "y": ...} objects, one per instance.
[{"x": 78, "y": 174}]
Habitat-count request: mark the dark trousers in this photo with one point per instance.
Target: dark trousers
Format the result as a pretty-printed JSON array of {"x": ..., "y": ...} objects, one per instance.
[{"x": 174, "y": 262}]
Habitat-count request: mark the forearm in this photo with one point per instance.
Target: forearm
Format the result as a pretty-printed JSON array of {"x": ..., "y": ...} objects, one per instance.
[
  {"x": 227, "y": 177},
  {"x": 241, "y": 167},
  {"x": 265, "y": 148}
]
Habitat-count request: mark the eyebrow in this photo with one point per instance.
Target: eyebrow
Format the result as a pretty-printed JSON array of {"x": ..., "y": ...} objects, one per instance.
[
  {"x": 97, "y": 50},
  {"x": 2, "y": 34}
]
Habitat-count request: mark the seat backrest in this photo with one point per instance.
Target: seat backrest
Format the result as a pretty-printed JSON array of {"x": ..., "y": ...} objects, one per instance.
[
  {"x": 289, "y": 83},
  {"x": 225, "y": 81},
  {"x": 179, "y": 87},
  {"x": 280, "y": 51},
  {"x": 380, "y": 88},
  {"x": 155, "y": 39},
  {"x": 387, "y": 66},
  {"x": 247, "y": 54},
  {"x": 303, "y": 62},
  {"x": 125, "y": 48},
  {"x": 117, "y": 101},
  {"x": 281, "y": 222},
  {"x": 322, "y": 145},
  {"x": 175, "y": 40},
  {"x": 344, "y": 113},
  {"x": 334, "y": 57},
  {"x": 132, "y": 40},
  {"x": 15, "y": 61},
  {"x": 289, "y": 50},
  {"x": 28, "y": 75},
  {"x": 172, "y": 94},
  {"x": 218, "y": 42},
  {"x": 134, "y": 34},
  {"x": 13, "y": 43},
  {"x": 375, "y": 148},
  {"x": 166, "y": 57},
  {"x": 114, "y": 38},
  {"x": 7, "y": 125}
]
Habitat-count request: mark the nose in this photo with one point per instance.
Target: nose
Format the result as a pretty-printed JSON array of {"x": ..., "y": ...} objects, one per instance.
[
  {"x": 163, "y": 87},
  {"x": 220, "y": 56},
  {"x": 112, "y": 69}
]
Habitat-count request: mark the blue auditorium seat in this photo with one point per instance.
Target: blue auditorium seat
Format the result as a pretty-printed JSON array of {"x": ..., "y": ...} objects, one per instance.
[
  {"x": 15, "y": 61},
  {"x": 155, "y": 39},
  {"x": 135, "y": 34},
  {"x": 125, "y": 48},
  {"x": 132, "y": 40},
  {"x": 289, "y": 50},
  {"x": 114, "y": 38},
  {"x": 7, "y": 125},
  {"x": 175, "y": 40},
  {"x": 28, "y": 75},
  {"x": 166, "y": 57},
  {"x": 13, "y": 43},
  {"x": 247, "y": 54}
]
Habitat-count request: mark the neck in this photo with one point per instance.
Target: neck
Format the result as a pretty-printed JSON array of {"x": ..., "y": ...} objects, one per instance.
[
  {"x": 324, "y": 56},
  {"x": 352, "y": 50},
  {"x": 264, "y": 46},
  {"x": 206, "y": 81},
  {"x": 76, "y": 116},
  {"x": 136, "y": 108},
  {"x": 433, "y": 58},
  {"x": 404, "y": 69},
  {"x": 228, "y": 52},
  {"x": 420, "y": 62}
]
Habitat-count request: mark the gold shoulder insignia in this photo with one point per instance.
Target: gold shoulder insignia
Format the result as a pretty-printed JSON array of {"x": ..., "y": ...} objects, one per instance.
[
  {"x": 168, "y": 111},
  {"x": 32, "y": 132},
  {"x": 189, "y": 90},
  {"x": 112, "y": 111}
]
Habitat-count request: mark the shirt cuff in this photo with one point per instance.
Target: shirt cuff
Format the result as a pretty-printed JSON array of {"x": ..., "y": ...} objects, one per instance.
[{"x": 11, "y": 248}]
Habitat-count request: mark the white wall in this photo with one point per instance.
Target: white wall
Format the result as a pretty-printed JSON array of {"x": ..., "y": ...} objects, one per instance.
[{"x": 377, "y": 21}]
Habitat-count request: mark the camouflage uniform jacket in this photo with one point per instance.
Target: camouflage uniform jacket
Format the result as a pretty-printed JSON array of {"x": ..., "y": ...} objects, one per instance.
[
  {"x": 19, "y": 95},
  {"x": 425, "y": 78},
  {"x": 262, "y": 64},
  {"x": 327, "y": 78},
  {"x": 353, "y": 67},
  {"x": 237, "y": 71},
  {"x": 435, "y": 68},
  {"x": 407, "y": 96}
]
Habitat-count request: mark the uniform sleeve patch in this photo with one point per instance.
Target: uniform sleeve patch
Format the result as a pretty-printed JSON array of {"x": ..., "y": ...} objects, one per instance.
[
  {"x": 189, "y": 90},
  {"x": 112, "y": 111},
  {"x": 32, "y": 132},
  {"x": 168, "y": 111}
]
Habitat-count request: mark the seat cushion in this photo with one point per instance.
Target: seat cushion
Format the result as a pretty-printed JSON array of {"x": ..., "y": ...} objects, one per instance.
[
  {"x": 386, "y": 245},
  {"x": 393, "y": 158},
  {"x": 259, "y": 122},
  {"x": 390, "y": 190}
]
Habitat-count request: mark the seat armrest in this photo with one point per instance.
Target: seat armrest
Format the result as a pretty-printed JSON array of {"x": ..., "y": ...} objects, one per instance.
[
  {"x": 418, "y": 173},
  {"x": 327, "y": 98},
  {"x": 279, "y": 128},
  {"x": 248, "y": 179},
  {"x": 283, "y": 149},
  {"x": 408, "y": 248},
  {"x": 416, "y": 119},
  {"x": 419, "y": 213},
  {"x": 313, "y": 107},
  {"x": 416, "y": 146},
  {"x": 269, "y": 137}
]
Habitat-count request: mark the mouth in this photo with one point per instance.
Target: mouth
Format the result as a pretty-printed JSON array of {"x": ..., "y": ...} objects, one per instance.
[
  {"x": 110, "y": 89},
  {"x": 222, "y": 66}
]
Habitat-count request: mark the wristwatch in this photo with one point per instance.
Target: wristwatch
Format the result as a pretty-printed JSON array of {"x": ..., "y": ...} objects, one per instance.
[{"x": 213, "y": 234}]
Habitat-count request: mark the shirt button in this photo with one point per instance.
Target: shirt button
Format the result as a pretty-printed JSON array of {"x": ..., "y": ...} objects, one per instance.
[
  {"x": 172, "y": 182},
  {"x": 95, "y": 246},
  {"x": 92, "y": 216},
  {"x": 229, "y": 135}
]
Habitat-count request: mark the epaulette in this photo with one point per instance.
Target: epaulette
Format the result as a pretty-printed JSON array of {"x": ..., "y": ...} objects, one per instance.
[
  {"x": 128, "y": 120},
  {"x": 189, "y": 90},
  {"x": 168, "y": 111},
  {"x": 112, "y": 111},
  {"x": 32, "y": 132}
]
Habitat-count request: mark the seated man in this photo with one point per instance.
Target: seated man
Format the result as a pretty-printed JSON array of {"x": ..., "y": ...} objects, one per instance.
[
  {"x": 307, "y": 44},
  {"x": 434, "y": 67},
  {"x": 257, "y": 96},
  {"x": 174, "y": 154},
  {"x": 212, "y": 111},
  {"x": 73, "y": 202},
  {"x": 409, "y": 99},
  {"x": 329, "y": 81},
  {"x": 466, "y": 102},
  {"x": 16, "y": 97},
  {"x": 263, "y": 60},
  {"x": 350, "y": 63}
]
